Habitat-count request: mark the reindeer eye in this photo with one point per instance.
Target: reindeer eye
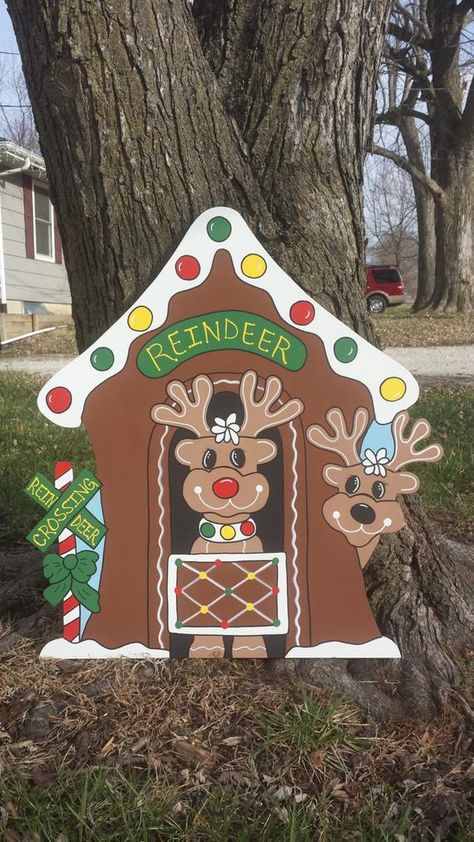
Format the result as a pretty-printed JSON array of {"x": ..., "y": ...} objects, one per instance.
[
  {"x": 378, "y": 490},
  {"x": 209, "y": 459},
  {"x": 237, "y": 457},
  {"x": 352, "y": 484}
]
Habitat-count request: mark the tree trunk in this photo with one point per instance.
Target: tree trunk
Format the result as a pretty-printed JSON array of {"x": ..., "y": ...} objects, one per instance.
[
  {"x": 424, "y": 215},
  {"x": 142, "y": 129},
  {"x": 454, "y": 283},
  {"x": 452, "y": 162}
]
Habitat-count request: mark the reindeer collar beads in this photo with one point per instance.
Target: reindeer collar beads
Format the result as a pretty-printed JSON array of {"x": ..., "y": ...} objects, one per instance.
[{"x": 250, "y": 451}]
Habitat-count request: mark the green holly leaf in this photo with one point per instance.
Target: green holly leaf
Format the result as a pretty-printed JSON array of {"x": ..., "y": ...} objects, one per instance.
[
  {"x": 86, "y": 595},
  {"x": 86, "y": 565},
  {"x": 54, "y": 594},
  {"x": 53, "y": 568}
]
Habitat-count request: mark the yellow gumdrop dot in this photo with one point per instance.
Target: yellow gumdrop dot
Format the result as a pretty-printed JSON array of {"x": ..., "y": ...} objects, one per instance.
[
  {"x": 228, "y": 532},
  {"x": 393, "y": 388},
  {"x": 250, "y": 575},
  {"x": 254, "y": 266},
  {"x": 249, "y": 606},
  {"x": 140, "y": 318},
  {"x": 204, "y": 609},
  {"x": 203, "y": 575}
]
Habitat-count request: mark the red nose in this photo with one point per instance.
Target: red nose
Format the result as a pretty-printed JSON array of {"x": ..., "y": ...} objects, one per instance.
[{"x": 225, "y": 488}]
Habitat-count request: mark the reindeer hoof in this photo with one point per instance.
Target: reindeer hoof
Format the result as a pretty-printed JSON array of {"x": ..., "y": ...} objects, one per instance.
[
  {"x": 207, "y": 646},
  {"x": 249, "y": 647}
]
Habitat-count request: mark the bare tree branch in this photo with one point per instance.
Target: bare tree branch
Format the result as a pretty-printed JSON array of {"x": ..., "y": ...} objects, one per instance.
[{"x": 402, "y": 162}]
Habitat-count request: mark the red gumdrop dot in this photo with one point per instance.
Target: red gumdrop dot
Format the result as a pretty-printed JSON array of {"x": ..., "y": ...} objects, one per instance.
[
  {"x": 187, "y": 267},
  {"x": 302, "y": 312},
  {"x": 178, "y": 590},
  {"x": 224, "y": 624},
  {"x": 275, "y": 590},
  {"x": 59, "y": 399},
  {"x": 247, "y": 528},
  {"x": 218, "y": 563}
]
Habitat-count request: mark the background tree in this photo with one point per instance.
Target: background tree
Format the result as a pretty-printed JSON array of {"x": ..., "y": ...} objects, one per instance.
[
  {"x": 426, "y": 55},
  {"x": 149, "y": 112},
  {"x": 391, "y": 220},
  {"x": 16, "y": 116}
]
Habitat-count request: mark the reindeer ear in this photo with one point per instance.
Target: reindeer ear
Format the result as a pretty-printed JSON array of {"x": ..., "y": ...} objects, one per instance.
[
  {"x": 184, "y": 451},
  {"x": 332, "y": 474},
  {"x": 408, "y": 483},
  {"x": 266, "y": 450}
]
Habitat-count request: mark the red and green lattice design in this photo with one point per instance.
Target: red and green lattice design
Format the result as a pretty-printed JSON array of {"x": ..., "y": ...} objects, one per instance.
[{"x": 227, "y": 594}]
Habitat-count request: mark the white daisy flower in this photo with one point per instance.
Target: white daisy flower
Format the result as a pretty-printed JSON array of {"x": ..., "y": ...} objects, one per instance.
[
  {"x": 226, "y": 429},
  {"x": 374, "y": 463}
]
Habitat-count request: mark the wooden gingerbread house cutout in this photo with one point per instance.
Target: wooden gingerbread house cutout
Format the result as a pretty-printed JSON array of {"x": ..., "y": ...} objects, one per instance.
[{"x": 244, "y": 438}]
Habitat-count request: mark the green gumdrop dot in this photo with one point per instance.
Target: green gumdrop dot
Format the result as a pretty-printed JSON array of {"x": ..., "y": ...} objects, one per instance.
[
  {"x": 345, "y": 349},
  {"x": 274, "y": 562},
  {"x": 207, "y": 530},
  {"x": 178, "y": 624},
  {"x": 228, "y": 591},
  {"x": 219, "y": 228},
  {"x": 276, "y": 622},
  {"x": 179, "y": 562},
  {"x": 102, "y": 359}
]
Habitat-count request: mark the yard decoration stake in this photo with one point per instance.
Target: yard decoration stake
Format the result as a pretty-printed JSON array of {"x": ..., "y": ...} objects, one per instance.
[{"x": 250, "y": 450}]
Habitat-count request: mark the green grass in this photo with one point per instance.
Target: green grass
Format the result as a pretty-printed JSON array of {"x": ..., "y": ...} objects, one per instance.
[
  {"x": 29, "y": 443},
  {"x": 123, "y": 806},
  {"x": 447, "y": 486},
  {"x": 309, "y": 726},
  {"x": 399, "y": 327}
]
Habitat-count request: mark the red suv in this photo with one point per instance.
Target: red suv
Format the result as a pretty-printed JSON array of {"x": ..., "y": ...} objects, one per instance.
[{"x": 385, "y": 288}]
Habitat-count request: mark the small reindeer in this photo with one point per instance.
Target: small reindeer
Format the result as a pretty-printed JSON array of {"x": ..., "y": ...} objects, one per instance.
[
  {"x": 365, "y": 504},
  {"x": 224, "y": 483}
]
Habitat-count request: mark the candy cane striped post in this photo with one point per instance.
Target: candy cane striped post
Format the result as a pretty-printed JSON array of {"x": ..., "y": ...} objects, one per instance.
[{"x": 63, "y": 476}]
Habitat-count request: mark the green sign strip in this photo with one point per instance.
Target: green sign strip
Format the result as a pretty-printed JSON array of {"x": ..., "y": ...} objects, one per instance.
[
  {"x": 64, "y": 509},
  {"x": 88, "y": 528},
  {"x": 220, "y": 331},
  {"x": 42, "y": 491}
]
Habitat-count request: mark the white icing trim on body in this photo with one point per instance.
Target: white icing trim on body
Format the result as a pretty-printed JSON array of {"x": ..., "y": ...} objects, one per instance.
[
  {"x": 380, "y": 647},
  {"x": 370, "y": 366}
]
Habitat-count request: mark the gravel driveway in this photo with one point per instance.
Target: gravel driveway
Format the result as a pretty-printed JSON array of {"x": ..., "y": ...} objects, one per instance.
[{"x": 441, "y": 361}]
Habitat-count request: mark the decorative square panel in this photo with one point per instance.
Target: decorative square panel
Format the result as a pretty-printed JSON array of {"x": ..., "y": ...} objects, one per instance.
[{"x": 233, "y": 594}]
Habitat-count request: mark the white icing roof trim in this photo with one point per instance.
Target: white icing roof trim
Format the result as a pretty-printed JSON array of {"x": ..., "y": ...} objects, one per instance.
[{"x": 370, "y": 366}]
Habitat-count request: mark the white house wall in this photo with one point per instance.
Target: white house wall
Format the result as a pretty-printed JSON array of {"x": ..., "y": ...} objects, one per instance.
[{"x": 26, "y": 279}]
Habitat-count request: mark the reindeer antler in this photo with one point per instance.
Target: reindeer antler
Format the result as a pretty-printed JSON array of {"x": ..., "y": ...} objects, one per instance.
[
  {"x": 257, "y": 414},
  {"x": 192, "y": 414},
  {"x": 342, "y": 442},
  {"x": 405, "y": 452}
]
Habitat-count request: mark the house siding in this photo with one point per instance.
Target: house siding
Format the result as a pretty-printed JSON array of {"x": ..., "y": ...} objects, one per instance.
[{"x": 27, "y": 279}]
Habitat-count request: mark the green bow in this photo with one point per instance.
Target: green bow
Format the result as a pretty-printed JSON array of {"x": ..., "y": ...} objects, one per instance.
[{"x": 71, "y": 573}]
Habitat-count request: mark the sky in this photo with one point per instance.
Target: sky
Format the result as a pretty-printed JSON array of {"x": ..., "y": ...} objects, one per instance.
[{"x": 7, "y": 36}]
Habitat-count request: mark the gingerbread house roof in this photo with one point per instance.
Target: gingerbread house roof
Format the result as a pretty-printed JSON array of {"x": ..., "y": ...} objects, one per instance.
[{"x": 391, "y": 386}]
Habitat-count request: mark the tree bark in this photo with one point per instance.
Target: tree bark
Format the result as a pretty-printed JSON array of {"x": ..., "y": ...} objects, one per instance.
[
  {"x": 142, "y": 129},
  {"x": 452, "y": 162},
  {"x": 424, "y": 215}
]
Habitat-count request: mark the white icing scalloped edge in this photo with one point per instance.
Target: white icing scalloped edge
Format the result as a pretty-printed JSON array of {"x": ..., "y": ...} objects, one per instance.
[
  {"x": 370, "y": 366},
  {"x": 65, "y": 650},
  {"x": 380, "y": 647}
]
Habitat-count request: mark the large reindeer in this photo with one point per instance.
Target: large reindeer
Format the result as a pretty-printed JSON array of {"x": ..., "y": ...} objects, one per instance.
[
  {"x": 224, "y": 484},
  {"x": 365, "y": 505}
]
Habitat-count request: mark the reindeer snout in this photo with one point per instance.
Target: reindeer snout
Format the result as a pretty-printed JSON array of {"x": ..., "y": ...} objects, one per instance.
[
  {"x": 225, "y": 488},
  {"x": 362, "y": 513}
]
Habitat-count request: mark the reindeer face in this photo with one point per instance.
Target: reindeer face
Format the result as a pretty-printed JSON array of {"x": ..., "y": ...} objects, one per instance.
[
  {"x": 365, "y": 505},
  {"x": 224, "y": 479}
]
